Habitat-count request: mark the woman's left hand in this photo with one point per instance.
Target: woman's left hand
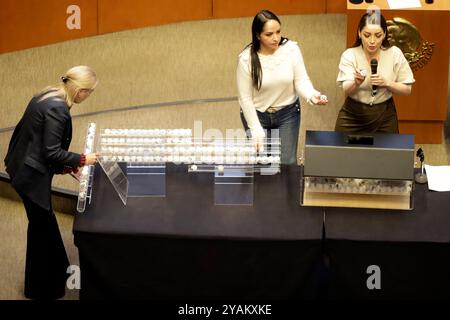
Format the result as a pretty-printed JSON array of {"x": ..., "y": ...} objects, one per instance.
[
  {"x": 319, "y": 99},
  {"x": 377, "y": 80},
  {"x": 91, "y": 158}
]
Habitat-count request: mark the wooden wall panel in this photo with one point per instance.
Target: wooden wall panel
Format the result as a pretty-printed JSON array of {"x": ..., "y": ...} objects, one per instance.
[
  {"x": 438, "y": 5},
  {"x": 424, "y": 131},
  {"x": 429, "y": 97},
  {"x": 336, "y": 6},
  {"x": 117, "y": 15},
  {"x": 30, "y": 23},
  {"x": 248, "y": 8}
]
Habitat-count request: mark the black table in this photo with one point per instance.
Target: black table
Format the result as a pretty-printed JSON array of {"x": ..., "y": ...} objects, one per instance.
[
  {"x": 411, "y": 249},
  {"x": 182, "y": 246}
]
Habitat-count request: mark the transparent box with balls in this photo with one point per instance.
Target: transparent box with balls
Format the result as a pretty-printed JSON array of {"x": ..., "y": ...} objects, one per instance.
[
  {"x": 358, "y": 170},
  {"x": 134, "y": 161}
]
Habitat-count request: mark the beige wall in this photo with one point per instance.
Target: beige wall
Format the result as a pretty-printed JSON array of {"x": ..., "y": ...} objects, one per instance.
[{"x": 176, "y": 62}]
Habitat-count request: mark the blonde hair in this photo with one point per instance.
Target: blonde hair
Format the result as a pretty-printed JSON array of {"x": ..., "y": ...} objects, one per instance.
[{"x": 75, "y": 79}]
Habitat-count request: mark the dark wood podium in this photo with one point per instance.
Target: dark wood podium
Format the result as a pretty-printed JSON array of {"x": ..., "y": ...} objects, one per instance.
[{"x": 424, "y": 112}]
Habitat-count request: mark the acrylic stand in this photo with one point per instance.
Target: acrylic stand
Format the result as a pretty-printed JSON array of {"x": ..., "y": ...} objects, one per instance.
[
  {"x": 146, "y": 180},
  {"x": 233, "y": 185}
]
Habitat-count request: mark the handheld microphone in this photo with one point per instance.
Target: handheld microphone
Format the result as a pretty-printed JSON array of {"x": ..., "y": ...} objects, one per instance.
[{"x": 373, "y": 67}]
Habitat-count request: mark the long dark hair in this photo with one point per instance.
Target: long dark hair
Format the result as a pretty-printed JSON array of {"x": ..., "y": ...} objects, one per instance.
[
  {"x": 257, "y": 27},
  {"x": 373, "y": 17}
]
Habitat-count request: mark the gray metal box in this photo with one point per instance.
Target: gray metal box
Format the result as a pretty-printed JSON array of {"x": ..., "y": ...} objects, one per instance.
[{"x": 368, "y": 156}]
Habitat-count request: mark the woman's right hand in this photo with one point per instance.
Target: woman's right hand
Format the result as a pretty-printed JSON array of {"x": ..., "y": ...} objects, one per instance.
[
  {"x": 258, "y": 142},
  {"x": 360, "y": 76},
  {"x": 258, "y": 136},
  {"x": 91, "y": 159}
]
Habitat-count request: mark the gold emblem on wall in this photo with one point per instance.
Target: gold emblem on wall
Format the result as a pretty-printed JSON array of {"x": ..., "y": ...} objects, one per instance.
[{"x": 404, "y": 34}]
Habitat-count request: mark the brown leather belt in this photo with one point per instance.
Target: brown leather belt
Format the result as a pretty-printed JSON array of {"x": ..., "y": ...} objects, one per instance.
[{"x": 275, "y": 110}]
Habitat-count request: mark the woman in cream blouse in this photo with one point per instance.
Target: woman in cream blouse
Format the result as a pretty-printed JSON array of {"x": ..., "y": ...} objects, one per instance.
[{"x": 369, "y": 106}]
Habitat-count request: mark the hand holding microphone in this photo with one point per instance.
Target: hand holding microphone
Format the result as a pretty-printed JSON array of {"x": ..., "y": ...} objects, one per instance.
[
  {"x": 373, "y": 68},
  {"x": 375, "y": 79}
]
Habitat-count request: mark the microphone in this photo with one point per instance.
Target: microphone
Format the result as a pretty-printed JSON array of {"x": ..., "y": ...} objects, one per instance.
[
  {"x": 373, "y": 67},
  {"x": 420, "y": 154},
  {"x": 421, "y": 177}
]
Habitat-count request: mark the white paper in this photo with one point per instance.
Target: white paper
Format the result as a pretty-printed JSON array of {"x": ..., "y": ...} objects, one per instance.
[
  {"x": 438, "y": 177},
  {"x": 404, "y": 4}
]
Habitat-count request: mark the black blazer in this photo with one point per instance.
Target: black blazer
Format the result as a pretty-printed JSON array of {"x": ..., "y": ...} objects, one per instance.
[{"x": 38, "y": 149}]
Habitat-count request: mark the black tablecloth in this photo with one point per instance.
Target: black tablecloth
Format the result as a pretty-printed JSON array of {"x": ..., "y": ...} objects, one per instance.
[
  {"x": 429, "y": 221},
  {"x": 188, "y": 209},
  {"x": 183, "y": 246},
  {"x": 411, "y": 249}
]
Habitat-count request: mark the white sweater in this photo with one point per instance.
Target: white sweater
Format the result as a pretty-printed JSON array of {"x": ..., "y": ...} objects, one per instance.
[{"x": 284, "y": 77}]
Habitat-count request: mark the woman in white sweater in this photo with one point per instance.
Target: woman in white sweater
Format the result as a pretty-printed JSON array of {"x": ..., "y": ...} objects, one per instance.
[{"x": 271, "y": 75}]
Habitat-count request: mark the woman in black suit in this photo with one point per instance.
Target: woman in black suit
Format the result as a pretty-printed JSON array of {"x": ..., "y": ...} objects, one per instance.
[{"x": 37, "y": 151}]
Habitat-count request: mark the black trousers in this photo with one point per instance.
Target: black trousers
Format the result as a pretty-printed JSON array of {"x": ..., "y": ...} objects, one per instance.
[
  {"x": 46, "y": 260},
  {"x": 358, "y": 117}
]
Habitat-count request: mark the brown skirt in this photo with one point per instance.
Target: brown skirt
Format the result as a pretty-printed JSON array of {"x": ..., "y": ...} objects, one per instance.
[{"x": 357, "y": 117}]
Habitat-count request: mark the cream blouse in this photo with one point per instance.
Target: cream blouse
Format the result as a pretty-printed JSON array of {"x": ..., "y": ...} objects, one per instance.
[
  {"x": 392, "y": 65},
  {"x": 284, "y": 77}
]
